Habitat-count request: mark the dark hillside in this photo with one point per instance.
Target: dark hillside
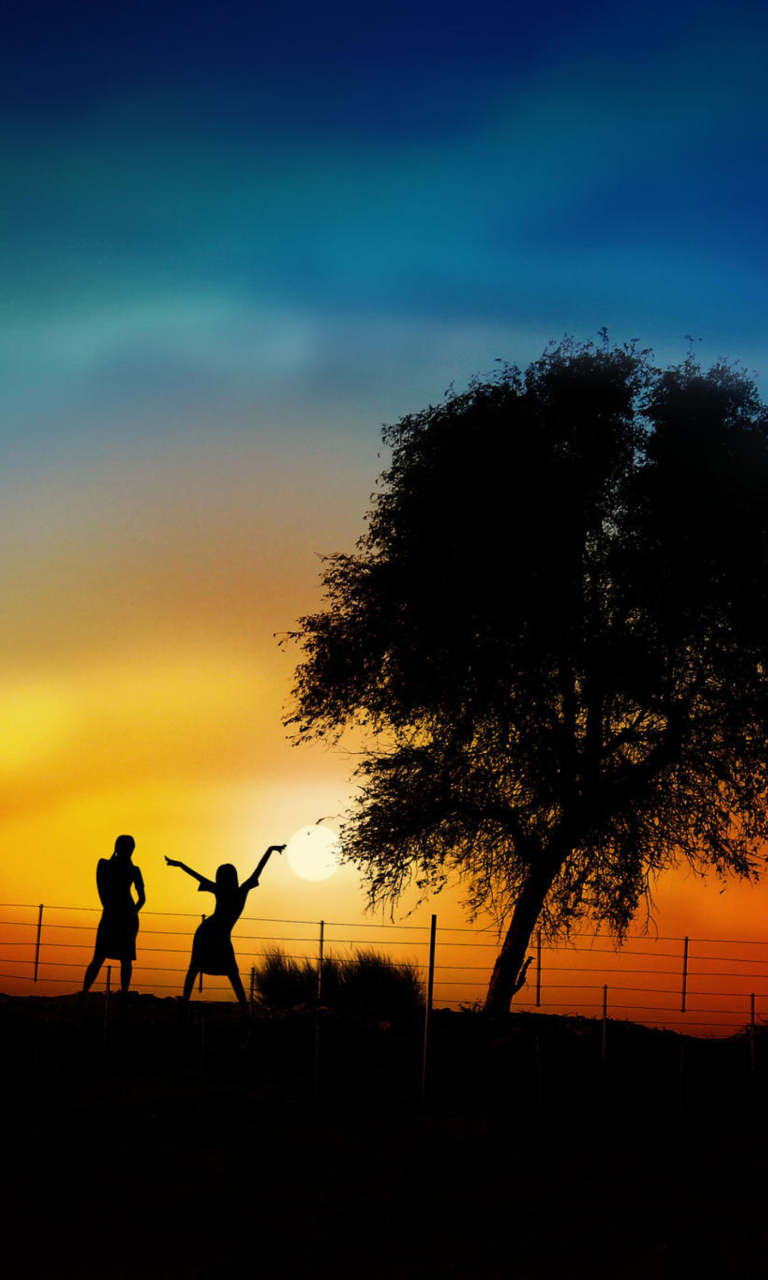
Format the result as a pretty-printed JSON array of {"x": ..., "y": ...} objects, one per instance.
[{"x": 531, "y": 1159}]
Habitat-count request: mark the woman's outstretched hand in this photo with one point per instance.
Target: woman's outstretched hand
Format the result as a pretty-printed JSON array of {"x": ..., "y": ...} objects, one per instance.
[
  {"x": 276, "y": 848},
  {"x": 171, "y": 863}
]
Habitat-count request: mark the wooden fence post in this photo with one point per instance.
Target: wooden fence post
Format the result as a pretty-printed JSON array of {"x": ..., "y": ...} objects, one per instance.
[
  {"x": 39, "y": 933},
  {"x": 106, "y": 1000},
  {"x": 752, "y": 1031},
  {"x": 428, "y": 1005},
  {"x": 202, "y": 1049},
  {"x": 200, "y": 979},
  {"x": 318, "y": 997}
]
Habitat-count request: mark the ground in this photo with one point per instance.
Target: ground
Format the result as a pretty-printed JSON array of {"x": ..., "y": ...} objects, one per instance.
[{"x": 207, "y": 1152}]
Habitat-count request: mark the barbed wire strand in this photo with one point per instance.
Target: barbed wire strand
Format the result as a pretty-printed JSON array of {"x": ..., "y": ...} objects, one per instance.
[{"x": 649, "y": 944}]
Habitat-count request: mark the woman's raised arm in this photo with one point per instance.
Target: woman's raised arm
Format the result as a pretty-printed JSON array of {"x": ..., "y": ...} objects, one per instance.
[
  {"x": 253, "y": 879},
  {"x": 194, "y": 874}
]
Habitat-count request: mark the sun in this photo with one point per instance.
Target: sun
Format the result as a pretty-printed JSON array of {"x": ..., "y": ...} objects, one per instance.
[{"x": 313, "y": 853}]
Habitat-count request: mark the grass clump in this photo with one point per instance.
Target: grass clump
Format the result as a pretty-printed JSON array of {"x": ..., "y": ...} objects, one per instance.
[
  {"x": 362, "y": 983},
  {"x": 286, "y": 983},
  {"x": 370, "y": 981}
]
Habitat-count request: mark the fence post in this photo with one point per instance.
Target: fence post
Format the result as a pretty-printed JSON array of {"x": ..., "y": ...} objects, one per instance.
[
  {"x": 681, "y": 1076},
  {"x": 202, "y": 1049},
  {"x": 538, "y": 969},
  {"x": 685, "y": 974},
  {"x": 604, "y": 1039},
  {"x": 253, "y": 985},
  {"x": 39, "y": 932},
  {"x": 106, "y": 1000},
  {"x": 428, "y": 1004},
  {"x": 752, "y": 1031},
  {"x": 318, "y": 996},
  {"x": 200, "y": 979}
]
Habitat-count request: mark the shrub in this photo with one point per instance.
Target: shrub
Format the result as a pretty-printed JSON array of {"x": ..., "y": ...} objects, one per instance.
[
  {"x": 371, "y": 982},
  {"x": 282, "y": 982},
  {"x": 363, "y": 982}
]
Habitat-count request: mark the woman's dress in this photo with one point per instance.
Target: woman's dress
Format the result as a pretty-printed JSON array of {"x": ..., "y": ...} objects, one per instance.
[
  {"x": 212, "y": 950},
  {"x": 119, "y": 924}
]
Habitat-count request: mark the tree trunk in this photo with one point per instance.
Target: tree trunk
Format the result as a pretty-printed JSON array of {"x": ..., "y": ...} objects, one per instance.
[{"x": 505, "y": 980}]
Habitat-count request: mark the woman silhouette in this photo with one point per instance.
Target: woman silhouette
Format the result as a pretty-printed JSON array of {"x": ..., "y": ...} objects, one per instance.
[
  {"x": 119, "y": 924},
  {"x": 212, "y": 950}
]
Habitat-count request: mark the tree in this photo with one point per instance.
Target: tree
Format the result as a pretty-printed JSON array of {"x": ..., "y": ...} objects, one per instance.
[{"x": 554, "y": 633}]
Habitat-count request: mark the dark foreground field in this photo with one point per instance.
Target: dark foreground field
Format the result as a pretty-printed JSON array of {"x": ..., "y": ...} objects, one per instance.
[{"x": 167, "y": 1152}]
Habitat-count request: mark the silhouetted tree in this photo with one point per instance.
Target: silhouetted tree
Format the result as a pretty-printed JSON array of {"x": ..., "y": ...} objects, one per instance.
[{"x": 555, "y": 631}]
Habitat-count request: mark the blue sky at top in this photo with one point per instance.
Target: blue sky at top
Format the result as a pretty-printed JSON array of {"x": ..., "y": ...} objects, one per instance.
[{"x": 266, "y": 210}]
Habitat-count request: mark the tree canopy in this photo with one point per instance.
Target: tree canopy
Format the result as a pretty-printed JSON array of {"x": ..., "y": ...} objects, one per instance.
[{"x": 554, "y": 631}]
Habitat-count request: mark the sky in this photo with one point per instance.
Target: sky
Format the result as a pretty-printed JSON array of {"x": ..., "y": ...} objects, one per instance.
[{"x": 236, "y": 240}]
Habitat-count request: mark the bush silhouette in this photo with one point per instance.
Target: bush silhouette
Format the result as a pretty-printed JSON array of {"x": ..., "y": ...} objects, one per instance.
[
  {"x": 283, "y": 982},
  {"x": 363, "y": 982},
  {"x": 371, "y": 981}
]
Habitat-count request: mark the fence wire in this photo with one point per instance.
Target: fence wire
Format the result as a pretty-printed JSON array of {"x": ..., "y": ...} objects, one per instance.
[{"x": 49, "y": 944}]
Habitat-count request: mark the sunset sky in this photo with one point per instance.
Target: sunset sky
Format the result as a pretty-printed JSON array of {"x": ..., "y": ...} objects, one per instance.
[{"x": 236, "y": 239}]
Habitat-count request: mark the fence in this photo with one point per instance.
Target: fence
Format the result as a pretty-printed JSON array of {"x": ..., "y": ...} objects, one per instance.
[{"x": 709, "y": 986}]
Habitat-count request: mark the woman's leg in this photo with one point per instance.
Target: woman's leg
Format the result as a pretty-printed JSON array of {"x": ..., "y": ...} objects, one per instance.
[
  {"x": 126, "y": 969},
  {"x": 92, "y": 972},
  {"x": 189, "y": 982},
  {"x": 234, "y": 978}
]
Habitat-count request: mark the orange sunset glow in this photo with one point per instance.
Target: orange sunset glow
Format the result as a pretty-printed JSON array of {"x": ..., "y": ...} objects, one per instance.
[{"x": 144, "y": 688}]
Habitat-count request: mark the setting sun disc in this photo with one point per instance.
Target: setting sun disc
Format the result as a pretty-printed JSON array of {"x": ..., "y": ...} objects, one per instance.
[{"x": 313, "y": 853}]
